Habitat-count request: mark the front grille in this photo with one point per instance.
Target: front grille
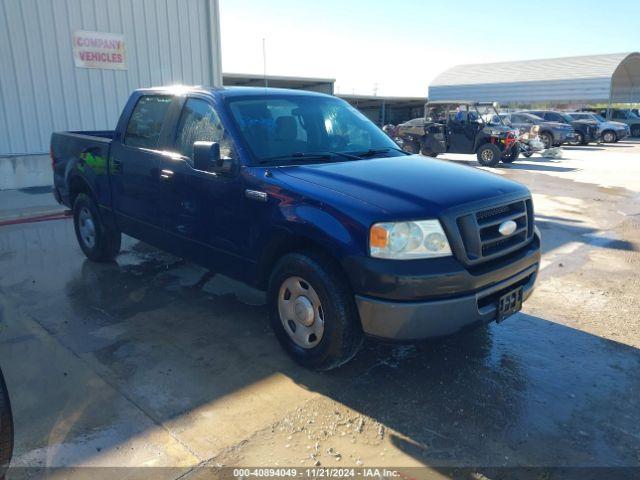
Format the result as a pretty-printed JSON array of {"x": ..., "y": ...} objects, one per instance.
[{"x": 480, "y": 230}]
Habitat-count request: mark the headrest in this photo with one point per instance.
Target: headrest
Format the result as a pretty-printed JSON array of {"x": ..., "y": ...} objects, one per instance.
[{"x": 286, "y": 128}]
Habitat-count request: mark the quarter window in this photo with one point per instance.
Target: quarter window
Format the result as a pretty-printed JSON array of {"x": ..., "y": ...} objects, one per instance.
[
  {"x": 199, "y": 122},
  {"x": 145, "y": 124}
]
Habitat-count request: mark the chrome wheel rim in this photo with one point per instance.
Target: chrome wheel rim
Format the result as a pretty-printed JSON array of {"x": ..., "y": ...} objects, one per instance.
[
  {"x": 487, "y": 155},
  {"x": 301, "y": 312},
  {"x": 87, "y": 227},
  {"x": 608, "y": 137}
]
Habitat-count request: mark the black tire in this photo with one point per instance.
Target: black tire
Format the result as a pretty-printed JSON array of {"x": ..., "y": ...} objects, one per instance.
[
  {"x": 424, "y": 150},
  {"x": 609, "y": 136},
  {"x": 342, "y": 336},
  {"x": 527, "y": 154},
  {"x": 547, "y": 139},
  {"x": 106, "y": 240},
  {"x": 428, "y": 153},
  {"x": 513, "y": 154},
  {"x": 6, "y": 428},
  {"x": 411, "y": 147},
  {"x": 488, "y": 155},
  {"x": 579, "y": 139},
  {"x": 635, "y": 131}
]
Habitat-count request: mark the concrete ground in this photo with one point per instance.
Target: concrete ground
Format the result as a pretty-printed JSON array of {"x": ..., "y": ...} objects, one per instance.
[{"x": 156, "y": 362}]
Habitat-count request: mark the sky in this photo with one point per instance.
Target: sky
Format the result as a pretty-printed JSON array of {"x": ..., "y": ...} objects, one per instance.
[{"x": 396, "y": 47}]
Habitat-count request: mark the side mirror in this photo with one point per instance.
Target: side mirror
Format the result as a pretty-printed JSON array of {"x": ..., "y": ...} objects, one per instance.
[{"x": 206, "y": 157}]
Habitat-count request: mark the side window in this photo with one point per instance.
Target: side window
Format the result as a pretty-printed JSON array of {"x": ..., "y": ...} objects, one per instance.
[
  {"x": 199, "y": 122},
  {"x": 619, "y": 114},
  {"x": 145, "y": 124}
]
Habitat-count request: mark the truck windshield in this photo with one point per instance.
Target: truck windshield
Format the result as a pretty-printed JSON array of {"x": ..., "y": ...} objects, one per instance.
[{"x": 283, "y": 130}]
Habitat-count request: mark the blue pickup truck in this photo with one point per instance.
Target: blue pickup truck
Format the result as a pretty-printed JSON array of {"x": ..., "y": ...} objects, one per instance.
[{"x": 299, "y": 194}]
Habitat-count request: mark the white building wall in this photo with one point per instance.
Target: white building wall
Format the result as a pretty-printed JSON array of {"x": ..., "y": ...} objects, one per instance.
[{"x": 41, "y": 90}]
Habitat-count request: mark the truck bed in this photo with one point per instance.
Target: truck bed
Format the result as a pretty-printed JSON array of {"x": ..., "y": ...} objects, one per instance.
[{"x": 86, "y": 152}]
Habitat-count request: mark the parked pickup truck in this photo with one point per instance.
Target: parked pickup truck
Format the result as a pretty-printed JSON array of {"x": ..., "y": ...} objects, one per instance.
[{"x": 299, "y": 194}]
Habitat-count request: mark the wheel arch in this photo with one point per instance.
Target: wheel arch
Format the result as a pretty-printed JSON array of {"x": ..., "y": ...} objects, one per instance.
[
  {"x": 77, "y": 185},
  {"x": 283, "y": 241}
]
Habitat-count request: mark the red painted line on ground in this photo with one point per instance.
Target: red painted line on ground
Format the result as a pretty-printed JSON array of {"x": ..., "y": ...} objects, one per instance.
[{"x": 38, "y": 218}]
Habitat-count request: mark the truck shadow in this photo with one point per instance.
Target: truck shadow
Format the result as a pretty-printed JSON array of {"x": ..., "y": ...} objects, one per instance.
[
  {"x": 186, "y": 347},
  {"x": 517, "y": 393}
]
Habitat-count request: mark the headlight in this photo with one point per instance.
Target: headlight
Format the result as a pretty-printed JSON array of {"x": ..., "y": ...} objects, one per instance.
[{"x": 408, "y": 240}]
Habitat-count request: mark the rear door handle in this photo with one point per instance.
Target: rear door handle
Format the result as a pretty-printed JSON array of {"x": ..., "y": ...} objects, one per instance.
[
  {"x": 166, "y": 175},
  {"x": 117, "y": 165}
]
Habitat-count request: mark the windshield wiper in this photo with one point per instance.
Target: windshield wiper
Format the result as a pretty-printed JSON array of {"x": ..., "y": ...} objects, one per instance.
[
  {"x": 377, "y": 151},
  {"x": 311, "y": 156}
]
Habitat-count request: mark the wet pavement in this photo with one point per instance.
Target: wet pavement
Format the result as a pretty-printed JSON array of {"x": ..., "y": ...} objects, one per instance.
[{"x": 153, "y": 361}]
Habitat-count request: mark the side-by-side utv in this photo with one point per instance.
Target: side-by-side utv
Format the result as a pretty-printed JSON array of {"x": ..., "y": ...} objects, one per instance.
[{"x": 461, "y": 127}]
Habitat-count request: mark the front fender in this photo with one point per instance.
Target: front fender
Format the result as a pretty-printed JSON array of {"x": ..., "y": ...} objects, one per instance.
[{"x": 306, "y": 226}]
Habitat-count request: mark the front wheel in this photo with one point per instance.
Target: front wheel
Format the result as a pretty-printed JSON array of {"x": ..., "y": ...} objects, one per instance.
[
  {"x": 98, "y": 241},
  {"x": 313, "y": 311},
  {"x": 489, "y": 155},
  {"x": 635, "y": 131},
  {"x": 579, "y": 139},
  {"x": 609, "y": 137},
  {"x": 512, "y": 156}
]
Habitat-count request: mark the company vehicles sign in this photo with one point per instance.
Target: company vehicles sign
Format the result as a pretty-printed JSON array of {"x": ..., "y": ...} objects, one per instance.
[{"x": 99, "y": 50}]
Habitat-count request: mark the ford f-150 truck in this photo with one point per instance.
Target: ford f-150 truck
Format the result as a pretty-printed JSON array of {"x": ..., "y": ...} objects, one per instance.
[{"x": 299, "y": 194}]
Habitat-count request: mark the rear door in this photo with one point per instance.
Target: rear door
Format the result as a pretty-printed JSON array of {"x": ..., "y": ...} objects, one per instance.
[{"x": 134, "y": 166}]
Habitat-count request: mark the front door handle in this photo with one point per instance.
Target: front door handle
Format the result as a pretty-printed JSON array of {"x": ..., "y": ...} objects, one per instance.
[{"x": 166, "y": 175}]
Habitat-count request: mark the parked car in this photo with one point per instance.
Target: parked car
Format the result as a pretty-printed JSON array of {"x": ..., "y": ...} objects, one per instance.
[
  {"x": 299, "y": 194},
  {"x": 628, "y": 117},
  {"x": 461, "y": 127},
  {"x": 6, "y": 428},
  {"x": 550, "y": 133},
  {"x": 584, "y": 131},
  {"x": 608, "y": 132}
]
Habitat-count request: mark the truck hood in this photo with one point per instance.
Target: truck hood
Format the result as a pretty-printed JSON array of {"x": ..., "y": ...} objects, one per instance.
[{"x": 403, "y": 187}]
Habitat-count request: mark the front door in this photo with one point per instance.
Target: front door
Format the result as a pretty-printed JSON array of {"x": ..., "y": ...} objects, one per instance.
[
  {"x": 134, "y": 167},
  {"x": 462, "y": 128},
  {"x": 202, "y": 210}
]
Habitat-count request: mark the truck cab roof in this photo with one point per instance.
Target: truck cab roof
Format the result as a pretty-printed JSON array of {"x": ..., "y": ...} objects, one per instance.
[{"x": 227, "y": 91}]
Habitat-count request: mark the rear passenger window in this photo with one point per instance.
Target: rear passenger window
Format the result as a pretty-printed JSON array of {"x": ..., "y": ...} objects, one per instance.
[{"x": 145, "y": 124}]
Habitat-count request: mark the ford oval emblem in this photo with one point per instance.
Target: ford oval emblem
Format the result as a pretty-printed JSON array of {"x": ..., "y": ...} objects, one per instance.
[{"x": 507, "y": 228}]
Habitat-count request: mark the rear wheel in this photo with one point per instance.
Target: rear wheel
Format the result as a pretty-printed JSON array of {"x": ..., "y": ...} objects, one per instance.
[
  {"x": 547, "y": 139},
  {"x": 98, "y": 241},
  {"x": 609, "y": 137},
  {"x": 635, "y": 131},
  {"x": 424, "y": 150},
  {"x": 579, "y": 139},
  {"x": 411, "y": 147},
  {"x": 313, "y": 311},
  {"x": 489, "y": 155}
]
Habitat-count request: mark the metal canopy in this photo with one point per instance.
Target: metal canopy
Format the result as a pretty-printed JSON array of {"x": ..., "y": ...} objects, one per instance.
[
  {"x": 324, "y": 85},
  {"x": 595, "y": 78}
]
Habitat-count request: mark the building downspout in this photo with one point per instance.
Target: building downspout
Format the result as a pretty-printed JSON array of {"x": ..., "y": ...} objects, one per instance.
[{"x": 214, "y": 43}]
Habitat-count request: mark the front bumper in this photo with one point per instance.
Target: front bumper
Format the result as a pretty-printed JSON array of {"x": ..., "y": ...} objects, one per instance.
[{"x": 448, "y": 301}]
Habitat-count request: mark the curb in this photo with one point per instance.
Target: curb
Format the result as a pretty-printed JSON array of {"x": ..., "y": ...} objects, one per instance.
[{"x": 60, "y": 215}]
